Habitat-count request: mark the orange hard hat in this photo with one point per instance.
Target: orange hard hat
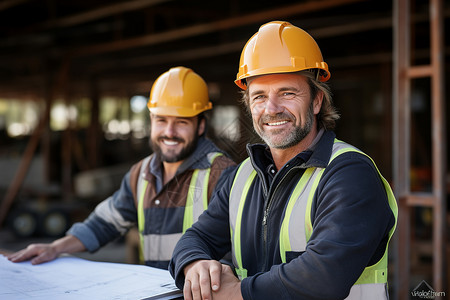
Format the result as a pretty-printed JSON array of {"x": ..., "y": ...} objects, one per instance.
[
  {"x": 280, "y": 47},
  {"x": 179, "y": 92}
]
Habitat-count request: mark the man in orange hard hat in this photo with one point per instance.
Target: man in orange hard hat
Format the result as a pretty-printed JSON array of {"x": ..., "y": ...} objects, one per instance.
[
  {"x": 306, "y": 216},
  {"x": 162, "y": 194}
]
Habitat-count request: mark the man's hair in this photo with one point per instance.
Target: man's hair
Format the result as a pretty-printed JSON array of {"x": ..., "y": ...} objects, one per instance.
[
  {"x": 328, "y": 115},
  {"x": 203, "y": 116}
]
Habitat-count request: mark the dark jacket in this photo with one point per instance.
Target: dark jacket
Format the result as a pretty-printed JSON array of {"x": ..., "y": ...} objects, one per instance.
[
  {"x": 163, "y": 204},
  {"x": 350, "y": 215}
]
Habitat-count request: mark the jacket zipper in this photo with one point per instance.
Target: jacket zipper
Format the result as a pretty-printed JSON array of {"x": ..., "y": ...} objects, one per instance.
[{"x": 266, "y": 216}]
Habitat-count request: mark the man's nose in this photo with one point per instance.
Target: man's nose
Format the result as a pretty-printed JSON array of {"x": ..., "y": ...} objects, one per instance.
[
  {"x": 273, "y": 105},
  {"x": 170, "y": 130}
]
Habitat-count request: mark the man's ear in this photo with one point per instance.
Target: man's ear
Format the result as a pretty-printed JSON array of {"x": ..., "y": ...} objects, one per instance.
[
  {"x": 201, "y": 127},
  {"x": 318, "y": 102}
]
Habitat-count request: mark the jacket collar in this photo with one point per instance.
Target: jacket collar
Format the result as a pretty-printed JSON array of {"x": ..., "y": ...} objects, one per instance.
[
  {"x": 197, "y": 160},
  {"x": 321, "y": 153}
]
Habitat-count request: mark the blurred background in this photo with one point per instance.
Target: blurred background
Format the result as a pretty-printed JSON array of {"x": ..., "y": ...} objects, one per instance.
[{"x": 75, "y": 77}]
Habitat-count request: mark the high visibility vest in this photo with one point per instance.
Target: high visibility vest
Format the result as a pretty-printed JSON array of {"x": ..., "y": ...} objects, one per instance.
[
  {"x": 159, "y": 247},
  {"x": 296, "y": 228}
]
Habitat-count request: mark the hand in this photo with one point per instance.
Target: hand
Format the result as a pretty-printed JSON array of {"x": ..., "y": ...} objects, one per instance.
[
  {"x": 208, "y": 279},
  {"x": 40, "y": 252},
  {"x": 230, "y": 286},
  {"x": 201, "y": 277},
  {"x": 47, "y": 252}
]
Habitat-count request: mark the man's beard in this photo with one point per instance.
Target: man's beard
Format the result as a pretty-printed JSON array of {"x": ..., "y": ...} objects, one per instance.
[
  {"x": 293, "y": 137},
  {"x": 170, "y": 156}
]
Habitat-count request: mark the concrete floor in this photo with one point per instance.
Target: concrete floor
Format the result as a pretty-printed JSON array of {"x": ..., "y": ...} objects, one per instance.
[{"x": 112, "y": 252}]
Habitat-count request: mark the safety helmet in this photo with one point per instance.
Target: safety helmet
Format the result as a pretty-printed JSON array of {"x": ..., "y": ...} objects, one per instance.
[
  {"x": 280, "y": 47},
  {"x": 179, "y": 92}
]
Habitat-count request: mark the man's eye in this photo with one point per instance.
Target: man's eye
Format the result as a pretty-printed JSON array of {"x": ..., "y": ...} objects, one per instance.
[
  {"x": 288, "y": 95},
  {"x": 256, "y": 98}
]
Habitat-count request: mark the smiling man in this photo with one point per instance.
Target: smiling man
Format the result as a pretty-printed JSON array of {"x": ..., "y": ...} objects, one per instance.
[
  {"x": 162, "y": 194},
  {"x": 306, "y": 216}
]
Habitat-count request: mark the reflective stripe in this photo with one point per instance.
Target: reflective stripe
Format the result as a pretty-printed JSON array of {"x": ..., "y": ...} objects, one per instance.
[
  {"x": 296, "y": 228},
  {"x": 337, "y": 147},
  {"x": 106, "y": 211},
  {"x": 141, "y": 219},
  {"x": 193, "y": 193},
  {"x": 197, "y": 197},
  {"x": 241, "y": 185},
  {"x": 196, "y": 203},
  {"x": 295, "y": 239},
  {"x": 205, "y": 188},
  {"x": 376, "y": 274},
  {"x": 140, "y": 193},
  {"x": 156, "y": 246},
  {"x": 369, "y": 291}
]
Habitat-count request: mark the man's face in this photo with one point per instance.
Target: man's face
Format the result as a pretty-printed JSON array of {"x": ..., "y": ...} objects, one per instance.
[
  {"x": 174, "y": 138},
  {"x": 282, "y": 110}
]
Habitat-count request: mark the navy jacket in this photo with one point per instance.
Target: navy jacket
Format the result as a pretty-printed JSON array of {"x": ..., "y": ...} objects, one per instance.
[
  {"x": 164, "y": 205},
  {"x": 350, "y": 215}
]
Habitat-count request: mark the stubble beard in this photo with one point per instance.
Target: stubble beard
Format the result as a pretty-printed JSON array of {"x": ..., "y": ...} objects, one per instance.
[
  {"x": 293, "y": 137},
  {"x": 171, "y": 156}
]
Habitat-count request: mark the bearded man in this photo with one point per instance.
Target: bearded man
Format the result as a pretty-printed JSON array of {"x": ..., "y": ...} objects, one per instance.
[
  {"x": 306, "y": 216},
  {"x": 162, "y": 194}
]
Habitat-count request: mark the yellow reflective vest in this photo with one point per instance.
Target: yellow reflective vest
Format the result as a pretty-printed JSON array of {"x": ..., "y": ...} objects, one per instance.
[
  {"x": 160, "y": 247},
  {"x": 296, "y": 228}
]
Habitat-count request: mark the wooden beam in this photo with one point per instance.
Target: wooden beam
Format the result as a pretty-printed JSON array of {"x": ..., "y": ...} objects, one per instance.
[
  {"x": 5, "y": 4},
  {"x": 420, "y": 71},
  {"x": 101, "y": 12},
  {"x": 401, "y": 144},
  {"x": 22, "y": 171},
  {"x": 404, "y": 73},
  {"x": 439, "y": 144},
  {"x": 195, "y": 30},
  {"x": 422, "y": 200}
]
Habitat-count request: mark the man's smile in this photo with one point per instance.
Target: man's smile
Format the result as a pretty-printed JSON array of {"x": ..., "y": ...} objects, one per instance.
[
  {"x": 276, "y": 123},
  {"x": 170, "y": 141}
]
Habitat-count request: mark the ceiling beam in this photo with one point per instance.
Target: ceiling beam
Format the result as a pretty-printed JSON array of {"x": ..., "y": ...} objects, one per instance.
[
  {"x": 195, "y": 30},
  {"x": 232, "y": 47},
  {"x": 5, "y": 4},
  {"x": 99, "y": 13}
]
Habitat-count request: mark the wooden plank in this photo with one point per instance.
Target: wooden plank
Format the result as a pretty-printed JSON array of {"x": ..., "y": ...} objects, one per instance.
[
  {"x": 195, "y": 30},
  {"x": 102, "y": 12},
  {"x": 437, "y": 198},
  {"x": 438, "y": 143},
  {"x": 421, "y": 199},
  {"x": 5, "y": 4},
  {"x": 22, "y": 171},
  {"x": 420, "y": 71},
  {"x": 401, "y": 142}
]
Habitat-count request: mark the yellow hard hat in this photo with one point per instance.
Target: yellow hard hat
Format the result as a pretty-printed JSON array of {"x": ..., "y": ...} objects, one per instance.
[
  {"x": 280, "y": 47},
  {"x": 179, "y": 92}
]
